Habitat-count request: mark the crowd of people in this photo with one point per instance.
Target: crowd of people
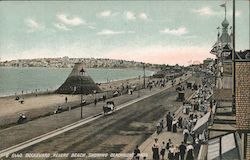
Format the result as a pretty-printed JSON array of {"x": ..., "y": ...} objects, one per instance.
[
  {"x": 167, "y": 149},
  {"x": 194, "y": 110}
]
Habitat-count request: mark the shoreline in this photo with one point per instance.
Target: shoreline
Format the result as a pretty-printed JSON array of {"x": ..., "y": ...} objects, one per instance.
[
  {"x": 50, "y": 90},
  {"x": 131, "y": 68},
  {"x": 104, "y": 87}
]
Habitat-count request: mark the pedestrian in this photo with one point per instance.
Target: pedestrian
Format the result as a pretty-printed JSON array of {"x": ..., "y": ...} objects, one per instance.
[
  {"x": 192, "y": 137},
  {"x": 158, "y": 128},
  {"x": 182, "y": 149},
  {"x": 185, "y": 134},
  {"x": 95, "y": 101},
  {"x": 169, "y": 121},
  {"x": 176, "y": 153},
  {"x": 161, "y": 123},
  {"x": 175, "y": 126},
  {"x": 155, "y": 150},
  {"x": 104, "y": 98},
  {"x": 190, "y": 155},
  {"x": 137, "y": 152},
  {"x": 180, "y": 122},
  {"x": 66, "y": 99},
  {"x": 171, "y": 153},
  {"x": 169, "y": 143},
  {"x": 163, "y": 149},
  {"x": 195, "y": 119}
]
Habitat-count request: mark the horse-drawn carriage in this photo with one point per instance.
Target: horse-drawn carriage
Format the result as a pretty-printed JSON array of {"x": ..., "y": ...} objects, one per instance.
[
  {"x": 109, "y": 107},
  {"x": 22, "y": 118}
]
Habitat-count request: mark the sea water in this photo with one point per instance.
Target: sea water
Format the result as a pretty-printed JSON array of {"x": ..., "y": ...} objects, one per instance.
[{"x": 38, "y": 79}]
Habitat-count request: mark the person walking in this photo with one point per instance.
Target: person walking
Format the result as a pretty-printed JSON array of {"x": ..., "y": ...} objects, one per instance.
[
  {"x": 175, "y": 126},
  {"x": 185, "y": 134},
  {"x": 95, "y": 101},
  {"x": 169, "y": 121},
  {"x": 180, "y": 122},
  {"x": 190, "y": 155},
  {"x": 158, "y": 128},
  {"x": 182, "y": 149},
  {"x": 155, "y": 150},
  {"x": 169, "y": 143},
  {"x": 171, "y": 153},
  {"x": 104, "y": 98},
  {"x": 161, "y": 123},
  {"x": 137, "y": 152},
  {"x": 176, "y": 153},
  {"x": 66, "y": 99},
  {"x": 163, "y": 149}
]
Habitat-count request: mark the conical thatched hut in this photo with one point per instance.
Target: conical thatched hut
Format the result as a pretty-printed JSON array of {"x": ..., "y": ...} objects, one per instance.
[{"x": 78, "y": 82}]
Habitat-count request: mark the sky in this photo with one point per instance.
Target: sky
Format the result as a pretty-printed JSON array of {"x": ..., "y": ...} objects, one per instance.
[{"x": 162, "y": 32}]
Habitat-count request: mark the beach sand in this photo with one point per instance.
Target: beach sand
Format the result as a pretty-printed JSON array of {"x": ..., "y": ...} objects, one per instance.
[{"x": 42, "y": 104}]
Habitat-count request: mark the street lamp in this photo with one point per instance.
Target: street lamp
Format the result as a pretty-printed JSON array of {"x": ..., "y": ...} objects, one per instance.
[
  {"x": 81, "y": 90},
  {"x": 144, "y": 81},
  {"x": 139, "y": 87}
]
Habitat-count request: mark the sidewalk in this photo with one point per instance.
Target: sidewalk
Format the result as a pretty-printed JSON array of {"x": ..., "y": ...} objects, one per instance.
[{"x": 176, "y": 138}]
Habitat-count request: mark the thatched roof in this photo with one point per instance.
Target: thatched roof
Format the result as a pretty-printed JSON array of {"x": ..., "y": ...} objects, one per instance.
[{"x": 78, "y": 82}]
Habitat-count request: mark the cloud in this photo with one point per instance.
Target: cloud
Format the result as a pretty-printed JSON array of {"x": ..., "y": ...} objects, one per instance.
[
  {"x": 205, "y": 11},
  {"x": 107, "y": 13},
  {"x": 71, "y": 21},
  {"x": 133, "y": 16},
  {"x": 111, "y": 32},
  {"x": 61, "y": 27},
  {"x": 177, "y": 32},
  {"x": 208, "y": 11},
  {"x": 33, "y": 25},
  {"x": 91, "y": 27},
  {"x": 237, "y": 13},
  {"x": 129, "y": 15},
  {"x": 143, "y": 16}
]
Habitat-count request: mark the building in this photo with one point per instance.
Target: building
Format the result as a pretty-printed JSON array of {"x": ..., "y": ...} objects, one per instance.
[{"x": 229, "y": 130}]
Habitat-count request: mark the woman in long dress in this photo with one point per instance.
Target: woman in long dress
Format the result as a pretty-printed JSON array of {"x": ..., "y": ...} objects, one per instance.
[
  {"x": 175, "y": 126},
  {"x": 190, "y": 155}
]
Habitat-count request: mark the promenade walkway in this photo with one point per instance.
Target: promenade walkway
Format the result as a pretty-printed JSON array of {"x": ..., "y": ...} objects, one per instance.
[{"x": 176, "y": 138}]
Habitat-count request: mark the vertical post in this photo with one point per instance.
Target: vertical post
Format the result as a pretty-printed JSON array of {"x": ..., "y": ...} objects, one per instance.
[
  {"x": 139, "y": 87},
  {"x": 220, "y": 148},
  {"x": 144, "y": 81},
  {"x": 243, "y": 145},
  {"x": 81, "y": 89},
  {"x": 81, "y": 102},
  {"x": 233, "y": 61}
]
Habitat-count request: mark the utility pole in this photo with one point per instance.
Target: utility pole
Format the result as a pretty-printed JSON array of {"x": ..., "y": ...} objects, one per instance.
[
  {"x": 139, "y": 87},
  {"x": 81, "y": 102},
  {"x": 233, "y": 60},
  {"x": 81, "y": 90},
  {"x": 144, "y": 76}
]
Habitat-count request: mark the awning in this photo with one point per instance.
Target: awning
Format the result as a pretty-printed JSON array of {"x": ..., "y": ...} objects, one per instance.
[{"x": 201, "y": 124}]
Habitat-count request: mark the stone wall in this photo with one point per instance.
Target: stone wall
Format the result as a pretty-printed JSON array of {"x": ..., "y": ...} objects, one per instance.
[{"x": 243, "y": 95}]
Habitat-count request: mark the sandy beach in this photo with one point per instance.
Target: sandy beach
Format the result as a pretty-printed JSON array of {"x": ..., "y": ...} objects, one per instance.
[{"x": 44, "y": 104}]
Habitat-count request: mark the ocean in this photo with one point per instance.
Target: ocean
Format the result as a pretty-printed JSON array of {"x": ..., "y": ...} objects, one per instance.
[{"x": 15, "y": 80}]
